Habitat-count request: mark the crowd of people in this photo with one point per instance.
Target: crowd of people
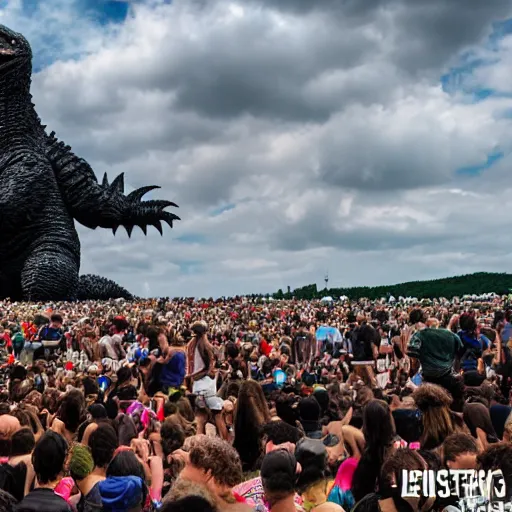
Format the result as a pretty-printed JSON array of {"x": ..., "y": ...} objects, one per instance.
[{"x": 247, "y": 404}]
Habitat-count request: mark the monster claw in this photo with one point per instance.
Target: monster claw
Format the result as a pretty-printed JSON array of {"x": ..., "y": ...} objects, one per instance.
[
  {"x": 169, "y": 218},
  {"x": 114, "y": 230},
  {"x": 143, "y": 228},
  {"x": 137, "y": 195},
  {"x": 158, "y": 225},
  {"x": 157, "y": 203},
  {"x": 129, "y": 230}
]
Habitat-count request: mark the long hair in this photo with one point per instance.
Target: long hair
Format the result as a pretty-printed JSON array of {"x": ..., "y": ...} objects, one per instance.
[
  {"x": 251, "y": 413},
  {"x": 438, "y": 422},
  {"x": 379, "y": 432}
]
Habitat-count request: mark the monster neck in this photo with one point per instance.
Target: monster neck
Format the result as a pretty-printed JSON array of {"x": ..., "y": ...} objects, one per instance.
[{"x": 19, "y": 123}]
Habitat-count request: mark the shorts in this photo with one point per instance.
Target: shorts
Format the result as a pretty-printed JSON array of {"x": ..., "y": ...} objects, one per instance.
[
  {"x": 206, "y": 395},
  {"x": 214, "y": 403}
]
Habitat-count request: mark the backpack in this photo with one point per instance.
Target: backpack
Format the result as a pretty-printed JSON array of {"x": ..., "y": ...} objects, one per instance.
[
  {"x": 50, "y": 334},
  {"x": 50, "y": 337},
  {"x": 18, "y": 342}
]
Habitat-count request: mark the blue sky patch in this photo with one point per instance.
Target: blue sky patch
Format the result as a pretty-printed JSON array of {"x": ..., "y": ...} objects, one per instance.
[
  {"x": 458, "y": 78},
  {"x": 190, "y": 266},
  {"x": 192, "y": 238},
  {"x": 107, "y": 11},
  {"x": 476, "y": 170},
  {"x": 222, "y": 209}
]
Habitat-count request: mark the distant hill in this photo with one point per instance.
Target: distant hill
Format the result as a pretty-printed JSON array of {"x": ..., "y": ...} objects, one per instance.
[{"x": 472, "y": 284}]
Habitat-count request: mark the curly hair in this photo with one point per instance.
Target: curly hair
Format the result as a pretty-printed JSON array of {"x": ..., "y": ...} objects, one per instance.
[
  {"x": 172, "y": 435},
  {"x": 429, "y": 396},
  {"x": 218, "y": 457},
  {"x": 50, "y": 400},
  {"x": 183, "y": 488}
]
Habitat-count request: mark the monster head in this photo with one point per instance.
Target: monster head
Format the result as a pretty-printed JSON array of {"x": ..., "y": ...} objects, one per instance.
[{"x": 15, "y": 52}]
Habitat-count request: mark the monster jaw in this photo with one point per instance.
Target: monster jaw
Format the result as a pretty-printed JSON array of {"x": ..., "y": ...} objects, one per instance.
[{"x": 6, "y": 56}]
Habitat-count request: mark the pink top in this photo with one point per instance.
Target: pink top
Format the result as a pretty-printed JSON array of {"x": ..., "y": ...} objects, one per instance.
[{"x": 65, "y": 487}]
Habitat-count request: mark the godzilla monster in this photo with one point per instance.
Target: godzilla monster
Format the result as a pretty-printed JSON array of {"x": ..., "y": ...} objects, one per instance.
[{"x": 44, "y": 187}]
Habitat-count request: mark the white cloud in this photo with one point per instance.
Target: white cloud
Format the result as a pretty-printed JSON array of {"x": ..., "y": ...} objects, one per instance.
[{"x": 331, "y": 136}]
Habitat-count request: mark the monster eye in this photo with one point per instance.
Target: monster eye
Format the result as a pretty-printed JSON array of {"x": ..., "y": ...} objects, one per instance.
[{"x": 13, "y": 42}]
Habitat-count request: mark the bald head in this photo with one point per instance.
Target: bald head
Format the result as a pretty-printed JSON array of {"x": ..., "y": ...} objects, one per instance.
[{"x": 8, "y": 426}]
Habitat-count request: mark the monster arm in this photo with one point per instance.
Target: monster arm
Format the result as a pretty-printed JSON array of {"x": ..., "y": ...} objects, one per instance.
[{"x": 103, "y": 205}]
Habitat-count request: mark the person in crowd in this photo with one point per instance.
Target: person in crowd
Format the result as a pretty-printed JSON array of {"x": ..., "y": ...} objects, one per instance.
[
  {"x": 474, "y": 344},
  {"x": 499, "y": 457},
  {"x": 380, "y": 436},
  {"x": 276, "y": 435},
  {"x": 460, "y": 451},
  {"x": 216, "y": 464},
  {"x": 313, "y": 482},
  {"x": 341, "y": 492},
  {"x": 201, "y": 363},
  {"x": 279, "y": 476},
  {"x": 173, "y": 360},
  {"x": 51, "y": 337},
  {"x": 478, "y": 420},
  {"x": 389, "y": 495},
  {"x": 499, "y": 414},
  {"x": 438, "y": 421},
  {"x": 303, "y": 346},
  {"x": 437, "y": 351},
  {"x": 81, "y": 465},
  {"x": 102, "y": 444},
  {"x": 309, "y": 417},
  {"x": 141, "y": 433},
  {"x": 48, "y": 460},
  {"x": 111, "y": 345},
  {"x": 365, "y": 343},
  {"x": 70, "y": 415},
  {"x": 20, "y": 462},
  {"x": 251, "y": 413}
]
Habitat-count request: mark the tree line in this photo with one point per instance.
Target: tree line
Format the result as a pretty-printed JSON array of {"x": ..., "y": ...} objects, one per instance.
[{"x": 471, "y": 284}]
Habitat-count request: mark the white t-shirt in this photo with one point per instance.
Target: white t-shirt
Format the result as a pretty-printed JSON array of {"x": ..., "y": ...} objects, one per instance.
[{"x": 198, "y": 361}]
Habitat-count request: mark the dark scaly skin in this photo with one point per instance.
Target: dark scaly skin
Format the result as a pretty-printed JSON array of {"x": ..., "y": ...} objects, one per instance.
[{"x": 44, "y": 187}]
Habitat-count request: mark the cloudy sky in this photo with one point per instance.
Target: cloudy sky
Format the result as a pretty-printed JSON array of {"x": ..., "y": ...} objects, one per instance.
[{"x": 368, "y": 138}]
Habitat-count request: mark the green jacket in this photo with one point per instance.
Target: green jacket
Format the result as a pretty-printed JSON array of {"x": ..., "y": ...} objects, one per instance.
[{"x": 438, "y": 349}]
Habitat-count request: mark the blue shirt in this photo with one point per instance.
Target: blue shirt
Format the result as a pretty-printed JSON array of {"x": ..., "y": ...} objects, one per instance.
[
  {"x": 474, "y": 347},
  {"x": 506, "y": 333},
  {"x": 173, "y": 372}
]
